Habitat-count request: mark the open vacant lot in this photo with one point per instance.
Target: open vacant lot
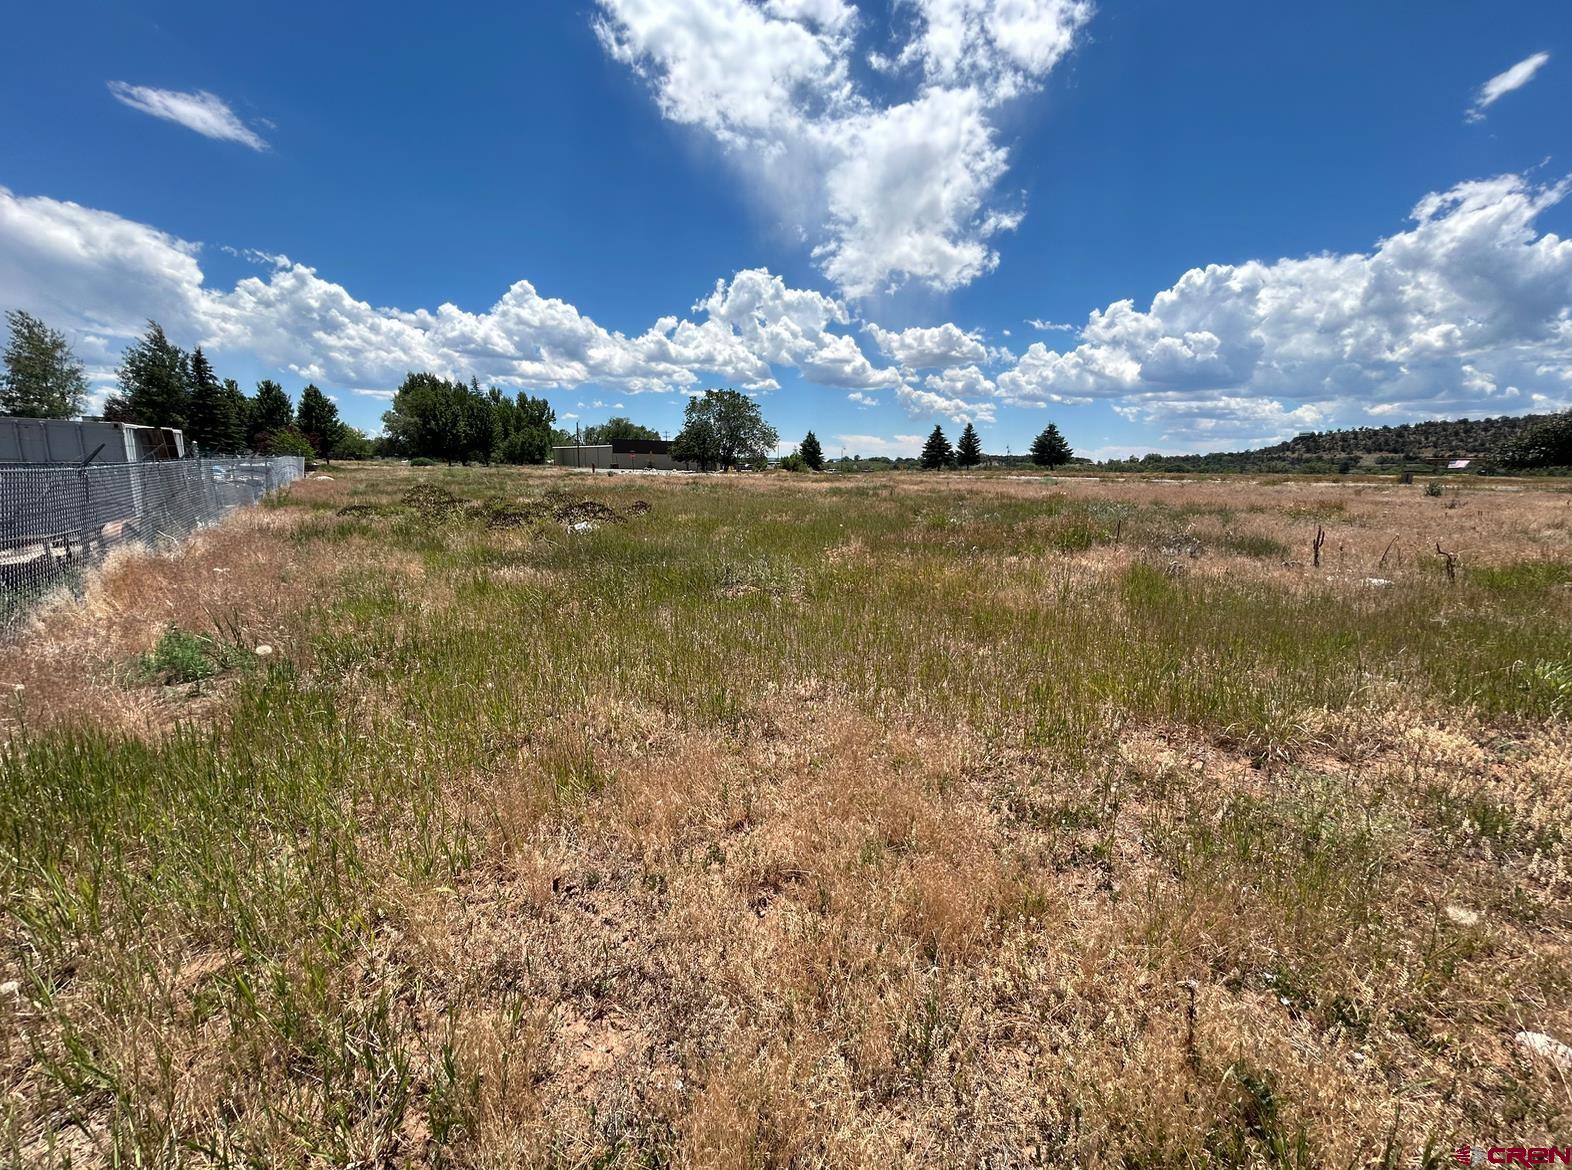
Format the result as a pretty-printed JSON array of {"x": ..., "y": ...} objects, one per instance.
[{"x": 525, "y": 818}]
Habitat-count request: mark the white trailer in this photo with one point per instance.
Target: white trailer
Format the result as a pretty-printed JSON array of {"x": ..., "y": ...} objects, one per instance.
[
  {"x": 60, "y": 440},
  {"x": 70, "y": 484}
]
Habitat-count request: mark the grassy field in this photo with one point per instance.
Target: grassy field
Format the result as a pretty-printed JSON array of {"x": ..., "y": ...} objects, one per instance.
[{"x": 496, "y": 818}]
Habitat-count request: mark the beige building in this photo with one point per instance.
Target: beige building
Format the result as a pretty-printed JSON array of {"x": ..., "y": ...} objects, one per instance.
[{"x": 621, "y": 455}]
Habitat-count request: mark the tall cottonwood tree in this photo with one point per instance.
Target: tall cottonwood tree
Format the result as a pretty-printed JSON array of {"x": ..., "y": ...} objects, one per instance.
[
  {"x": 617, "y": 427},
  {"x": 42, "y": 378},
  {"x": 723, "y": 428}
]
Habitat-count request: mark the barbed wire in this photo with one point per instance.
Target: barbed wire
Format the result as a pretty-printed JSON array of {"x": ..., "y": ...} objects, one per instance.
[{"x": 58, "y": 520}]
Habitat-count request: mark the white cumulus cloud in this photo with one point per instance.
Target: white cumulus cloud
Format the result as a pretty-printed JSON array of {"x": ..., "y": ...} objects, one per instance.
[
  {"x": 206, "y": 113},
  {"x": 886, "y": 189},
  {"x": 927, "y": 403},
  {"x": 1471, "y": 294},
  {"x": 103, "y": 275},
  {"x": 934, "y": 348}
]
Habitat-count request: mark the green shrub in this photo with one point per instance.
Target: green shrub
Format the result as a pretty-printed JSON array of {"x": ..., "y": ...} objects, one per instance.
[
  {"x": 184, "y": 657},
  {"x": 291, "y": 442},
  {"x": 422, "y": 461},
  {"x": 1434, "y": 489}
]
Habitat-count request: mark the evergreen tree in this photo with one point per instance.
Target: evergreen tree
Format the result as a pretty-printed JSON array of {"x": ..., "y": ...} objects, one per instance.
[
  {"x": 1049, "y": 448},
  {"x": 937, "y": 452},
  {"x": 207, "y": 419},
  {"x": 236, "y": 416},
  {"x": 812, "y": 454},
  {"x": 271, "y": 412},
  {"x": 117, "y": 408},
  {"x": 968, "y": 452},
  {"x": 42, "y": 377},
  {"x": 317, "y": 420},
  {"x": 155, "y": 380}
]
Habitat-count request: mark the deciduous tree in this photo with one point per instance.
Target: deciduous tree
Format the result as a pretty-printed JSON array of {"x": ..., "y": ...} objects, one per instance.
[
  {"x": 617, "y": 428},
  {"x": 723, "y": 428}
]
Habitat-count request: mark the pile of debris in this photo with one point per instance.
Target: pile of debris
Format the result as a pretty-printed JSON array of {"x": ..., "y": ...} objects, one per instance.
[{"x": 432, "y": 502}]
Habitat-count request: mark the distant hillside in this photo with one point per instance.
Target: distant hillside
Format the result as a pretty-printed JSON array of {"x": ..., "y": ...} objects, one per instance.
[
  {"x": 1462, "y": 438},
  {"x": 1358, "y": 447}
]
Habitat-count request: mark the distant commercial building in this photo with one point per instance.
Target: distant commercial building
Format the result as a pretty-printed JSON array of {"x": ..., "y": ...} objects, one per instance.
[{"x": 621, "y": 455}]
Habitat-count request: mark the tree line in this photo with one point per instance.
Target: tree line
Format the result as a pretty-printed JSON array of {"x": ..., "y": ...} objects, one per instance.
[
  {"x": 1049, "y": 449},
  {"x": 456, "y": 422},
  {"x": 158, "y": 384},
  {"x": 1530, "y": 442}
]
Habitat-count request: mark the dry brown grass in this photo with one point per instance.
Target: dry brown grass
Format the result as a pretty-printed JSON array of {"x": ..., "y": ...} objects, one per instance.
[
  {"x": 246, "y": 578},
  {"x": 579, "y": 907}
]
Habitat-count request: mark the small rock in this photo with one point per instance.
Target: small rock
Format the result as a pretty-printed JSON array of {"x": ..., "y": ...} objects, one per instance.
[
  {"x": 1462, "y": 916},
  {"x": 329, "y": 478},
  {"x": 1376, "y": 582},
  {"x": 581, "y": 526},
  {"x": 264, "y": 650},
  {"x": 1546, "y": 1047},
  {"x": 10, "y": 987}
]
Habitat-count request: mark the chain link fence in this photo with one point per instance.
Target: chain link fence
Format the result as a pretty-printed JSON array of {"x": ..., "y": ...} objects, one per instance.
[{"x": 58, "y": 520}]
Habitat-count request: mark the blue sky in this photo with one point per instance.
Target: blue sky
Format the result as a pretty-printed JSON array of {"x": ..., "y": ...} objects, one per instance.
[{"x": 1245, "y": 220}]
